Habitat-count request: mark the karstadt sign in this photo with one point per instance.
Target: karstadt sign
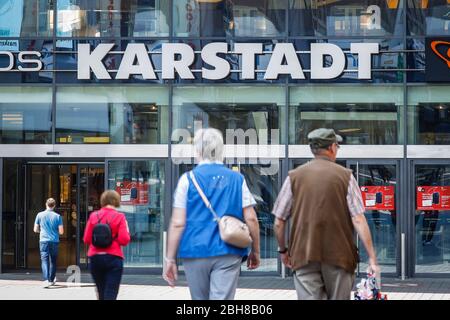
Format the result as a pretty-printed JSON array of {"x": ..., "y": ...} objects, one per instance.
[{"x": 178, "y": 58}]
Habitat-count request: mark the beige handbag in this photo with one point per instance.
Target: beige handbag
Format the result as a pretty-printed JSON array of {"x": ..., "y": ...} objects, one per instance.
[{"x": 232, "y": 230}]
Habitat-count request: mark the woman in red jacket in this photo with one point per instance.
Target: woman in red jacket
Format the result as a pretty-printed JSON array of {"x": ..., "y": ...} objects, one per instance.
[{"x": 106, "y": 264}]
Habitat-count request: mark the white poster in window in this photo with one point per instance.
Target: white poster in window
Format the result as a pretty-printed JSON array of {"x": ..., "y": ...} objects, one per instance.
[{"x": 11, "y": 16}]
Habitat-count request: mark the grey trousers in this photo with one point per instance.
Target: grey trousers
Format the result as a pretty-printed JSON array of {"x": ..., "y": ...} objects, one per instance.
[
  {"x": 319, "y": 281},
  {"x": 213, "y": 278}
]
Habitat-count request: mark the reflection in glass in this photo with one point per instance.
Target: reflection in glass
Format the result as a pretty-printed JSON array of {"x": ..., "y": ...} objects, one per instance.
[
  {"x": 351, "y": 111},
  {"x": 130, "y": 18},
  {"x": 241, "y": 18},
  {"x": 345, "y": 17},
  {"x": 360, "y": 123},
  {"x": 382, "y": 223},
  {"x": 432, "y": 123},
  {"x": 25, "y": 18},
  {"x": 428, "y": 17},
  {"x": 141, "y": 188},
  {"x": 433, "y": 225},
  {"x": 25, "y": 115},
  {"x": 416, "y": 60},
  {"x": 429, "y": 115},
  {"x": 255, "y": 111},
  {"x": 119, "y": 116},
  {"x": 264, "y": 188}
]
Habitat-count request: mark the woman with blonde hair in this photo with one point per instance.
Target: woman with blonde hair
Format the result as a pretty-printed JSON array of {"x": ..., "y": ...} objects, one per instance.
[{"x": 211, "y": 265}]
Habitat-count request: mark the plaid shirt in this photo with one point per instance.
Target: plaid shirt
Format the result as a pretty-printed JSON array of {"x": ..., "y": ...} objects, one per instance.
[{"x": 283, "y": 204}]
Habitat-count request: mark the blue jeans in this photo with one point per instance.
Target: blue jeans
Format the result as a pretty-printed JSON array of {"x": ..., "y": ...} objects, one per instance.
[
  {"x": 106, "y": 271},
  {"x": 49, "y": 255}
]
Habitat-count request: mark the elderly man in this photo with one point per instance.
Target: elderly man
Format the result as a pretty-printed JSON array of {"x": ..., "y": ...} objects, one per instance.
[
  {"x": 324, "y": 203},
  {"x": 211, "y": 265}
]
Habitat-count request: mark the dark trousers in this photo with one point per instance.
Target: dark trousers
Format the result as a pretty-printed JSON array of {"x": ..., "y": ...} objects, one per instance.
[
  {"x": 49, "y": 255},
  {"x": 106, "y": 271}
]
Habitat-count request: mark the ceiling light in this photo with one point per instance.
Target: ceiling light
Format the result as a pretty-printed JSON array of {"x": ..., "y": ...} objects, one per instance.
[{"x": 349, "y": 130}]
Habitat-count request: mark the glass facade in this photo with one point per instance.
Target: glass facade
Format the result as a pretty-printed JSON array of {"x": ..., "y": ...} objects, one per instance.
[
  {"x": 26, "y": 115},
  {"x": 429, "y": 115},
  {"x": 256, "y": 111},
  {"x": 346, "y": 18},
  {"x": 431, "y": 219},
  {"x": 120, "y": 116},
  {"x": 239, "y": 18},
  {"x": 106, "y": 18},
  {"x": 370, "y": 115},
  {"x": 141, "y": 188},
  {"x": 88, "y": 135}
]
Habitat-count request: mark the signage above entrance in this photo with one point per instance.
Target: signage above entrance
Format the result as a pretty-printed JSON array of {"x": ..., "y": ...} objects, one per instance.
[
  {"x": 177, "y": 58},
  {"x": 326, "y": 61}
]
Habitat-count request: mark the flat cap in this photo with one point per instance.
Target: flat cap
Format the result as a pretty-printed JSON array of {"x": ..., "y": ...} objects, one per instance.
[{"x": 322, "y": 138}]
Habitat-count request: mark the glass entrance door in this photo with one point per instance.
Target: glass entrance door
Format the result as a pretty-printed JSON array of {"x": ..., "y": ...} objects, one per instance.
[
  {"x": 431, "y": 209},
  {"x": 379, "y": 189},
  {"x": 91, "y": 186},
  {"x": 76, "y": 189},
  {"x": 58, "y": 182}
]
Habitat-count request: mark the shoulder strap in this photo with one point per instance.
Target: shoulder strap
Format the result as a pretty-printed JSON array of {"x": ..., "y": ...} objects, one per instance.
[
  {"x": 99, "y": 220},
  {"x": 202, "y": 195}
]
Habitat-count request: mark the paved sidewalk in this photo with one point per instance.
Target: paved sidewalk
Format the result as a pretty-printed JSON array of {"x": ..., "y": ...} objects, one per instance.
[{"x": 26, "y": 286}]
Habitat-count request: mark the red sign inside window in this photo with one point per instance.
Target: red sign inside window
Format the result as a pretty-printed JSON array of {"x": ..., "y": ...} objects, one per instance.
[
  {"x": 132, "y": 192},
  {"x": 433, "y": 198},
  {"x": 378, "y": 197}
]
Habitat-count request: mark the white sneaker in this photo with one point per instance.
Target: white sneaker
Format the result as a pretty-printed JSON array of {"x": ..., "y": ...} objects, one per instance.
[
  {"x": 46, "y": 284},
  {"x": 53, "y": 282}
]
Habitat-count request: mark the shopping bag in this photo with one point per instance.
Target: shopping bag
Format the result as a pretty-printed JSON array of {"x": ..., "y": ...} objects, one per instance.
[{"x": 369, "y": 288}]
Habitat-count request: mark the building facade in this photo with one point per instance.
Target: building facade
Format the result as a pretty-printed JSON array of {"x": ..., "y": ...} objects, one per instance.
[{"x": 70, "y": 137}]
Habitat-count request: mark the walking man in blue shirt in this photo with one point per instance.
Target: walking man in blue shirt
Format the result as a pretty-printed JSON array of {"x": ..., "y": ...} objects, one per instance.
[{"x": 49, "y": 225}]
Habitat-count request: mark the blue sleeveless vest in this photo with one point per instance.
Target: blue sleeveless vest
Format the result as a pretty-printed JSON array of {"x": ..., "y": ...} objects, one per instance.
[{"x": 223, "y": 187}]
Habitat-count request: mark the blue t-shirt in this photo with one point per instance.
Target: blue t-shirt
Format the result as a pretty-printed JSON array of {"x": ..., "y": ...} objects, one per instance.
[{"x": 49, "y": 222}]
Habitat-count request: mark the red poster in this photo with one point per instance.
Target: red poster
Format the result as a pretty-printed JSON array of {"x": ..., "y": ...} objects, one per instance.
[
  {"x": 433, "y": 198},
  {"x": 378, "y": 197},
  {"x": 132, "y": 192}
]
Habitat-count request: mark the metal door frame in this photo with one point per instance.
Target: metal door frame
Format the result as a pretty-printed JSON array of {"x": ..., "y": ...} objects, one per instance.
[
  {"x": 25, "y": 172},
  {"x": 400, "y": 224},
  {"x": 411, "y": 208},
  {"x": 88, "y": 166}
]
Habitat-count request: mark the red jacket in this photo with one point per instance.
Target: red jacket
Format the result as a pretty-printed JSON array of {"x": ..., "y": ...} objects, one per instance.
[{"x": 119, "y": 228}]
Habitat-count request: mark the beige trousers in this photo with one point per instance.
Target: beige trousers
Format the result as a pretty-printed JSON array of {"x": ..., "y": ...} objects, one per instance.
[{"x": 319, "y": 281}]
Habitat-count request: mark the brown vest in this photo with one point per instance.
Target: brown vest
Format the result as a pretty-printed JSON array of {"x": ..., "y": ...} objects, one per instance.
[{"x": 322, "y": 230}]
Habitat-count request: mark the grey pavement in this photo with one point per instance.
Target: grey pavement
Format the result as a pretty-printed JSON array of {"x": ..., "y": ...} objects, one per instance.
[{"x": 27, "y": 286}]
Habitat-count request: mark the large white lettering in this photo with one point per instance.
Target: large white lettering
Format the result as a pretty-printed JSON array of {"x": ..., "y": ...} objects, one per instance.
[
  {"x": 209, "y": 56},
  {"x": 170, "y": 64},
  {"x": 365, "y": 52},
  {"x": 327, "y": 61},
  {"x": 318, "y": 52},
  {"x": 276, "y": 66},
  {"x": 136, "y": 52},
  {"x": 248, "y": 51},
  {"x": 24, "y": 57},
  {"x": 88, "y": 61}
]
